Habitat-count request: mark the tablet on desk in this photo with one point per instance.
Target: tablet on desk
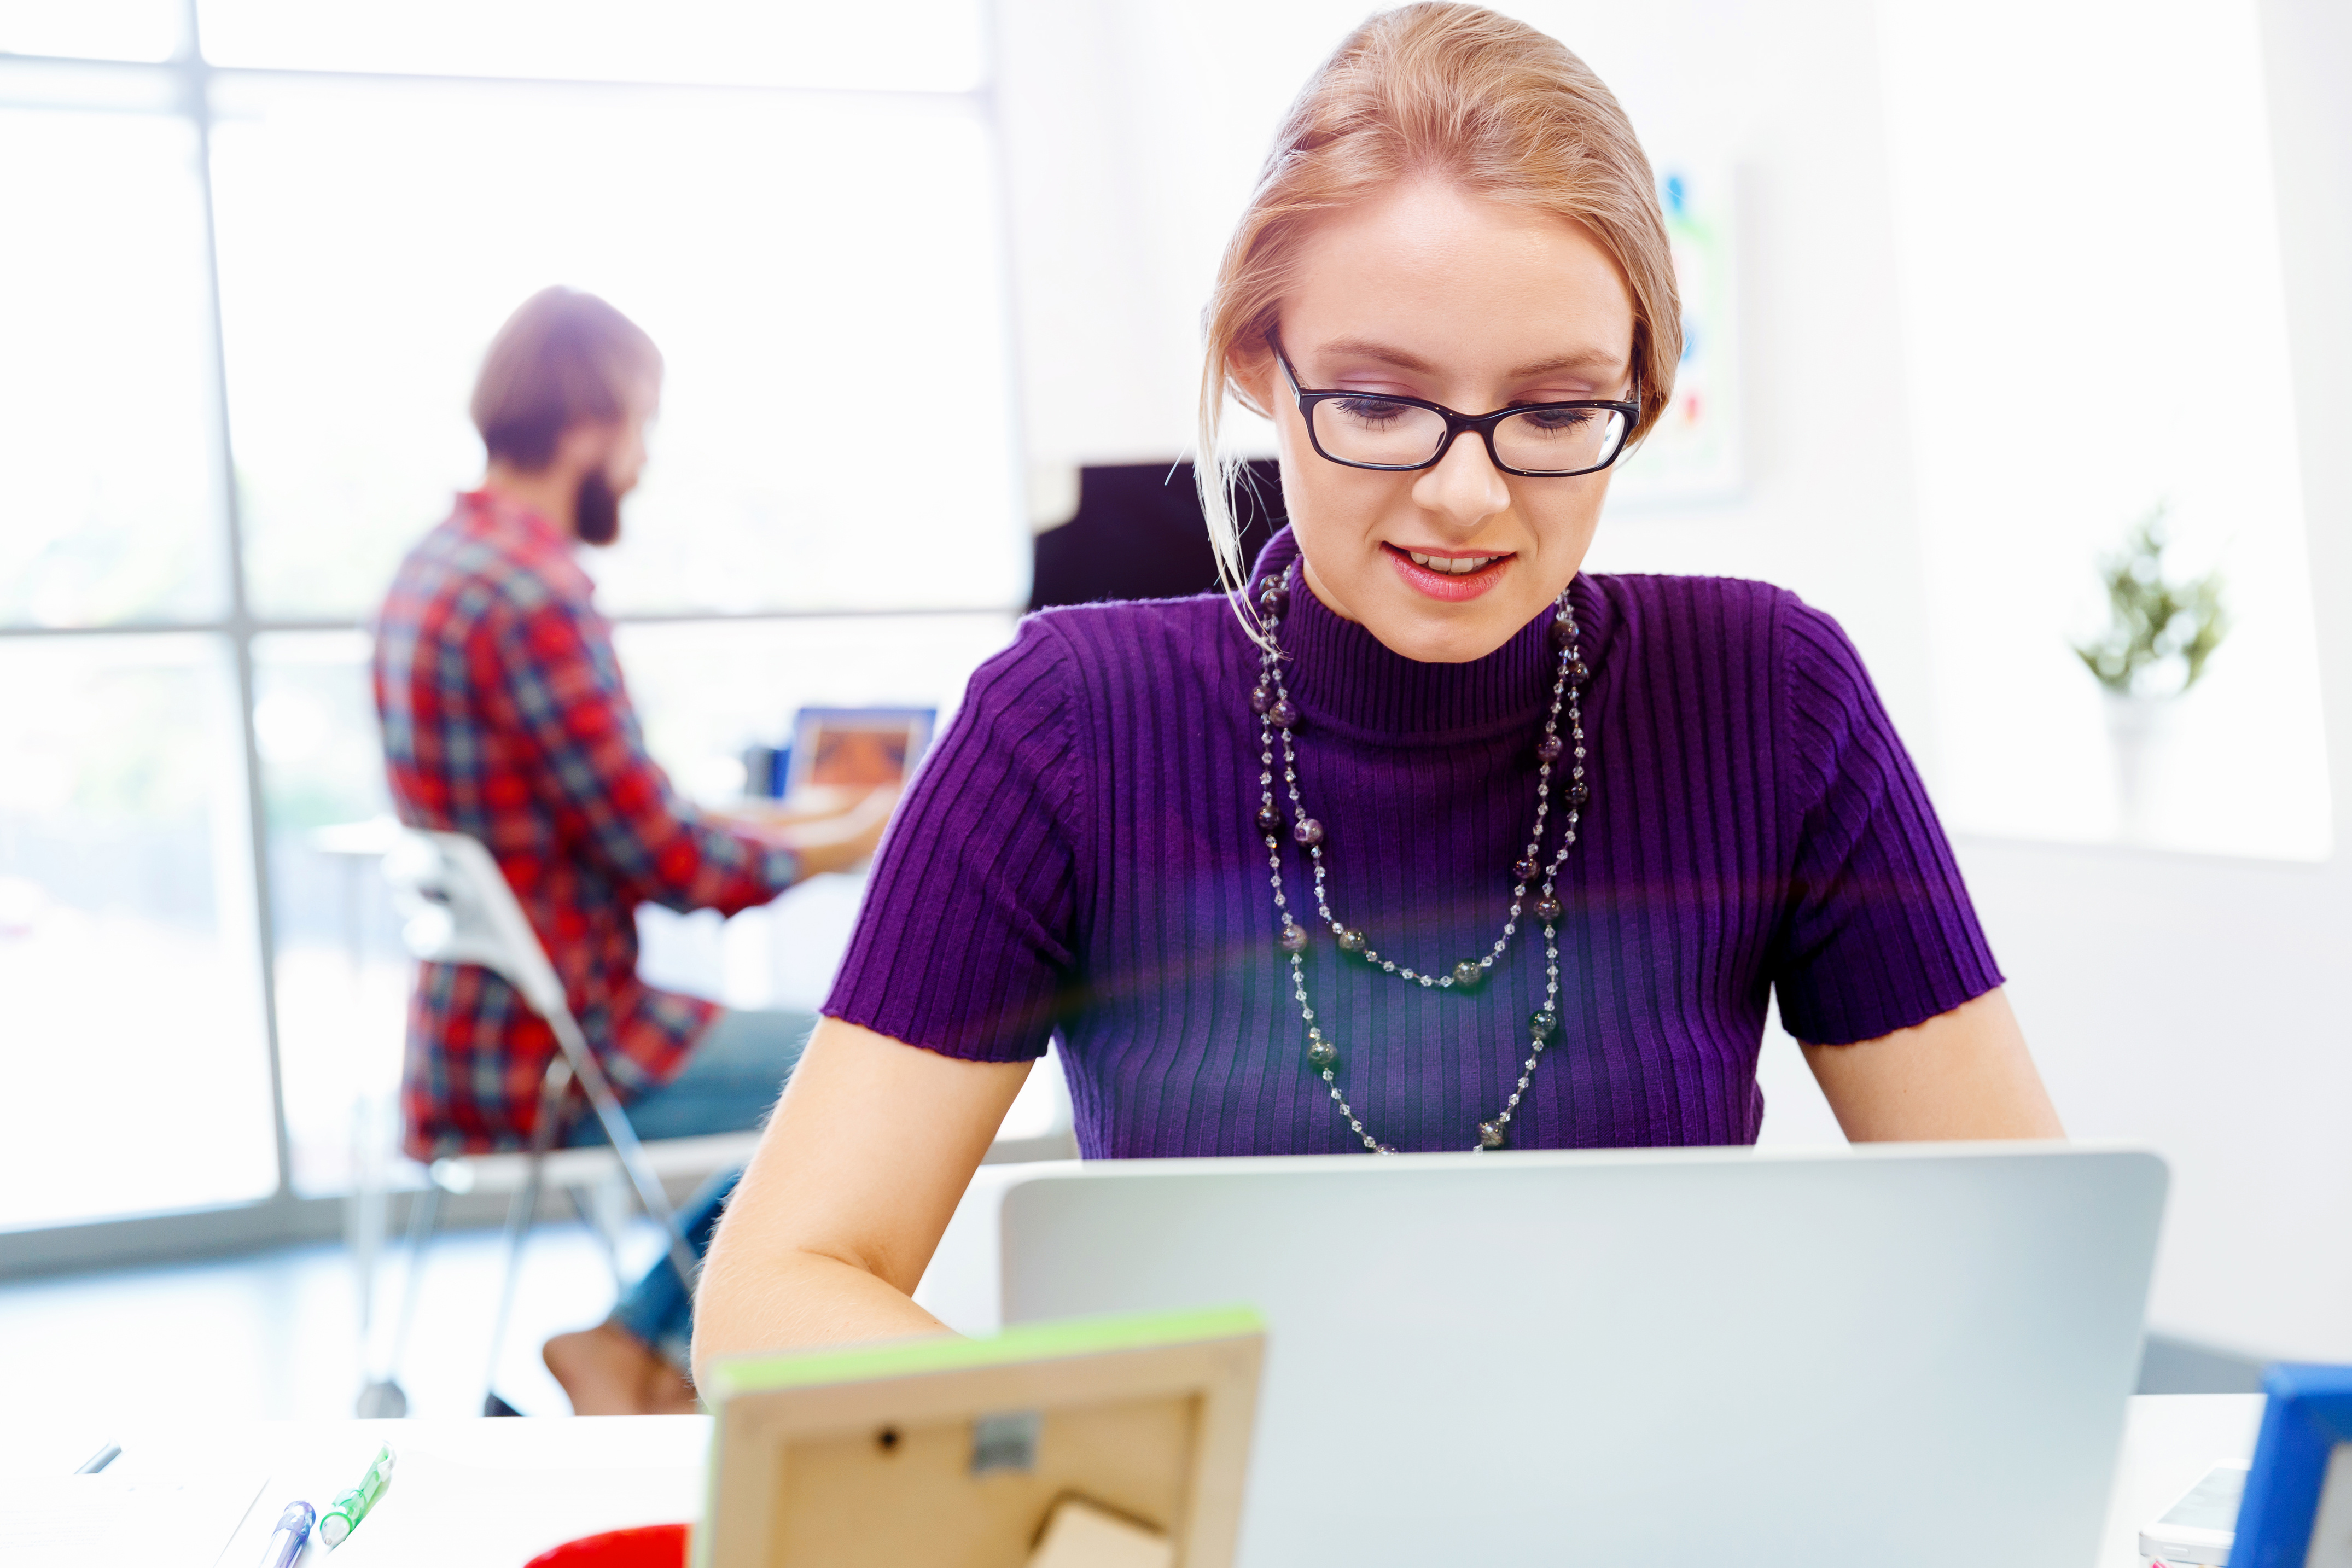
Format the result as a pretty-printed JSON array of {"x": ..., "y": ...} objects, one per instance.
[{"x": 856, "y": 748}]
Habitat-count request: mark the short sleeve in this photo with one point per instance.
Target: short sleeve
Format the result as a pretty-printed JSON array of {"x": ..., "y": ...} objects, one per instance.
[
  {"x": 964, "y": 944},
  {"x": 1878, "y": 933}
]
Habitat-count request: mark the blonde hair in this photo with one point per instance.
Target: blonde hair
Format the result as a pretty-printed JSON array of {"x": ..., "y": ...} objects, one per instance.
[{"x": 1457, "y": 92}]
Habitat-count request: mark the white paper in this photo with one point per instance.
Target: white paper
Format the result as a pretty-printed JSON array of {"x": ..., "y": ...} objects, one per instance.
[
  {"x": 449, "y": 1514},
  {"x": 110, "y": 1521}
]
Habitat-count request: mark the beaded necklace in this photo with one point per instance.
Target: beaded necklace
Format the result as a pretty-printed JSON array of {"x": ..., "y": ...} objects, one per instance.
[{"x": 1278, "y": 716}]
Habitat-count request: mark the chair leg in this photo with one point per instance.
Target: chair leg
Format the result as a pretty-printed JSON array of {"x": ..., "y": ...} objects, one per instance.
[
  {"x": 589, "y": 1204},
  {"x": 383, "y": 1397},
  {"x": 623, "y": 1139},
  {"x": 552, "y": 1091},
  {"x": 363, "y": 1216}
]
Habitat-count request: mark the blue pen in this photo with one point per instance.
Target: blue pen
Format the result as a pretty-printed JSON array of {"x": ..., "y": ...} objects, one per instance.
[{"x": 293, "y": 1528}]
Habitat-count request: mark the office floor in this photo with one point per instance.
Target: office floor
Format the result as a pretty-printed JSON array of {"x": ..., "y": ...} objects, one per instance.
[{"x": 274, "y": 1334}]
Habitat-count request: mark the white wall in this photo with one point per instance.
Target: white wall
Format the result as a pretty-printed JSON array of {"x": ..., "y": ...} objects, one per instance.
[
  {"x": 2088, "y": 249},
  {"x": 1134, "y": 133},
  {"x": 2188, "y": 1001}
]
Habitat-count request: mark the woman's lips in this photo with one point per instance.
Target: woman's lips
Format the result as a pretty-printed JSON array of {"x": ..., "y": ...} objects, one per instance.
[{"x": 1452, "y": 587}]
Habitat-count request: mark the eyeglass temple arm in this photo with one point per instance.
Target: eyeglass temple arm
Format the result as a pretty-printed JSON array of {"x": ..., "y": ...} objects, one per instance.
[{"x": 1296, "y": 391}]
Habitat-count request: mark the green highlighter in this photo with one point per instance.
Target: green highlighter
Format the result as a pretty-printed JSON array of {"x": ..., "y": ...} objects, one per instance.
[{"x": 344, "y": 1516}]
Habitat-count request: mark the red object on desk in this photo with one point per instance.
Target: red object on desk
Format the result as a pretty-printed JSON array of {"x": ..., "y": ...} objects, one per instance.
[{"x": 647, "y": 1546}]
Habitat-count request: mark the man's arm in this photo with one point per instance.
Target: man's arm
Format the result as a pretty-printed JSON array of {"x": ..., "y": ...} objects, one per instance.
[{"x": 553, "y": 669}]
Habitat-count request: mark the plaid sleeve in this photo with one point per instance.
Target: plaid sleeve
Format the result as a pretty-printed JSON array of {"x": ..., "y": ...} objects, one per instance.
[{"x": 553, "y": 669}]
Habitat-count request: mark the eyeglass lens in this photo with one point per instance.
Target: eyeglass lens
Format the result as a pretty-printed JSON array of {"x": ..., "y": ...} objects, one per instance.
[{"x": 1391, "y": 434}]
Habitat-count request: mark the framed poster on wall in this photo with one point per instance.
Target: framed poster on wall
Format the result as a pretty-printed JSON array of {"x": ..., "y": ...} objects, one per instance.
[{"x": 1692, "y": 456}]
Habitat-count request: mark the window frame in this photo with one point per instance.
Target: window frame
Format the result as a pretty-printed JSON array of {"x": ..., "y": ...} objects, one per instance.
[{"x": 183, "y": 87}]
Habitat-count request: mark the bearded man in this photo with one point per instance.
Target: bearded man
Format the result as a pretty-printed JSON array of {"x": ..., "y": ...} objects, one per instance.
[{"x": 504, "y": 718}]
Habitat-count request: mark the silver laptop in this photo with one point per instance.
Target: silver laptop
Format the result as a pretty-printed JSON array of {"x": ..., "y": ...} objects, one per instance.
[{"x": 1913, "y": 1356}]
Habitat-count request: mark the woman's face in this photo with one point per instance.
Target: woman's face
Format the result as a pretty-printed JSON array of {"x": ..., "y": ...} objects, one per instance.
[{"x": 1437, "y": 294}]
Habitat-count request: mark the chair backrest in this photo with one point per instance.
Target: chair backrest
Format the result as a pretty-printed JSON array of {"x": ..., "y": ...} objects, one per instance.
[{"x": 456, "y": 908}]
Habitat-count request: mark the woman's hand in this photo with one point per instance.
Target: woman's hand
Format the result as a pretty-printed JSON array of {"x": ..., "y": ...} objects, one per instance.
[
  {"x": 1961, "y": 1074},
  {"x": 860, "y": 1170}
]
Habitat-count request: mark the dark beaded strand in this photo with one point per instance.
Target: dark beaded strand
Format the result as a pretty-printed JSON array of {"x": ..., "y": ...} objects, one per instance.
[{"x": 1278, "y": 715}]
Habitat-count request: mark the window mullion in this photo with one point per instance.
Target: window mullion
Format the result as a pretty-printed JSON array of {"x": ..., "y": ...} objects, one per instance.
[{"x": 196, "y": 96}]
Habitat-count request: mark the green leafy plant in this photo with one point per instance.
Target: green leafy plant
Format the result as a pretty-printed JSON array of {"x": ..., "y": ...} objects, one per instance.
[{"x": 2154, "y": 624}]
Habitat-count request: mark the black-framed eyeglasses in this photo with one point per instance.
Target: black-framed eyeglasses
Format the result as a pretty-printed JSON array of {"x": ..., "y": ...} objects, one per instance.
[{"x": 1400, "y": 434}]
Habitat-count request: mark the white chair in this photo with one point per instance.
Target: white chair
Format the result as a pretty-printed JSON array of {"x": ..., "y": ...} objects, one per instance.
[{"x": 456, "y": 908}]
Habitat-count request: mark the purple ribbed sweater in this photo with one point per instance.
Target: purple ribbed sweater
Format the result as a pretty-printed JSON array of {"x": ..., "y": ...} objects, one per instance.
[{"x": 1077, "y": 856}]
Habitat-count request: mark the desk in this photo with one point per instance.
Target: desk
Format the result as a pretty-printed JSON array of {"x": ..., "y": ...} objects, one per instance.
[
  {"x": 2170, "y": 1440},
  {"x": 565, "y": 1478},
  {"x": 557, "y": 1478}
]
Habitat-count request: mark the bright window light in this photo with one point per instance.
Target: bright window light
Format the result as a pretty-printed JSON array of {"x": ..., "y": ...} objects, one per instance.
[
  {"x": 822, "y": 269},
  {"x": 133, "y": 1047},
  {"x": 92, "y": 29},
  {"x": 826, "y": 318},
  {"x": 105, "y": 437},
  {"x": 916, "y": 44}
]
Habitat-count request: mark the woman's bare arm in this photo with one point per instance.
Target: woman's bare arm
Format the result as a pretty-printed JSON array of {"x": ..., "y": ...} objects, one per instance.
[
  {"x": 1961, "y": 1074},
  {"x": 861, "y": 1168}
]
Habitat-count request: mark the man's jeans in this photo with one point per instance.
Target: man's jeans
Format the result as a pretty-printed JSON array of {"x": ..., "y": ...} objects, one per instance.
[{"x": 728, "y": 1084}]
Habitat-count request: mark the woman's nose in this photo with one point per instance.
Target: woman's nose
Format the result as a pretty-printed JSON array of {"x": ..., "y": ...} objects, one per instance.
[{"x": 1465, "y": 488}]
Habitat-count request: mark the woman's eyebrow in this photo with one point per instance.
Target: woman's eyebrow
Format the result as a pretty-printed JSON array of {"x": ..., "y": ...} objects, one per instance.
[
  {"x": 1367, "y": 349},
  {"x": 1587, "y": 360}
]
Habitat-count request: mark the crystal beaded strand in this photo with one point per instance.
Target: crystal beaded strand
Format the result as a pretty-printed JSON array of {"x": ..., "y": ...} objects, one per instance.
[{"x": 1277, "y": 714}]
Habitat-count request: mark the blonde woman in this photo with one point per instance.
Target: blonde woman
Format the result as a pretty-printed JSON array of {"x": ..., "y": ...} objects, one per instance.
[{"x": 1438, "y": 843}]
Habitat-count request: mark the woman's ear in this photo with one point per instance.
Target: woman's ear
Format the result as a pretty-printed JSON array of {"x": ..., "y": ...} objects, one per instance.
[{"x": 1253, "y": 373}]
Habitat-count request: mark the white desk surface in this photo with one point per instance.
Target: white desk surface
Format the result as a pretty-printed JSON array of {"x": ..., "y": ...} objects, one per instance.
[
  {"x": 504, "y": 1491},
  {"x": 2170, "y": 1440}
]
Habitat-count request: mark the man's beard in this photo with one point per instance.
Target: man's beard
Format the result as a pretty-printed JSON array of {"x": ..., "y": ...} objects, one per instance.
[{"x": 596, "y": 511}]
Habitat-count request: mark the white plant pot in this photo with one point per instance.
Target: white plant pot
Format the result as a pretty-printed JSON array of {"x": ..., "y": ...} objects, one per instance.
[{"x": 2138, "y": 728}]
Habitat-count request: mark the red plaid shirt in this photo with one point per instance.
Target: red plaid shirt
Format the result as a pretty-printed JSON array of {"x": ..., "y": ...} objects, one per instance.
[{"x": 504, "y": 717}]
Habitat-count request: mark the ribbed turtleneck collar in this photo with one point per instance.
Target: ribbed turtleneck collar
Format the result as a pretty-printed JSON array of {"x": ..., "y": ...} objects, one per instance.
[{"x": 1340, "y": 674}]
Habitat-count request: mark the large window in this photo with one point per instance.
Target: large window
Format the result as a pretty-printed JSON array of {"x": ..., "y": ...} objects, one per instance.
[{"x": 256, "y": 248}]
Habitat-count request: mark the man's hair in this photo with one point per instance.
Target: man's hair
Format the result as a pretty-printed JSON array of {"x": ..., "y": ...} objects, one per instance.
[{"x": 563, "y": 358}]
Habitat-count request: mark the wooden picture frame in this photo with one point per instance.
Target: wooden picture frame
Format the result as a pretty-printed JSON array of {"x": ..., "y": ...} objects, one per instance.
[
  {"x": 2297, "y": 1511},
  {"x": 952, "y": 1451}
]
